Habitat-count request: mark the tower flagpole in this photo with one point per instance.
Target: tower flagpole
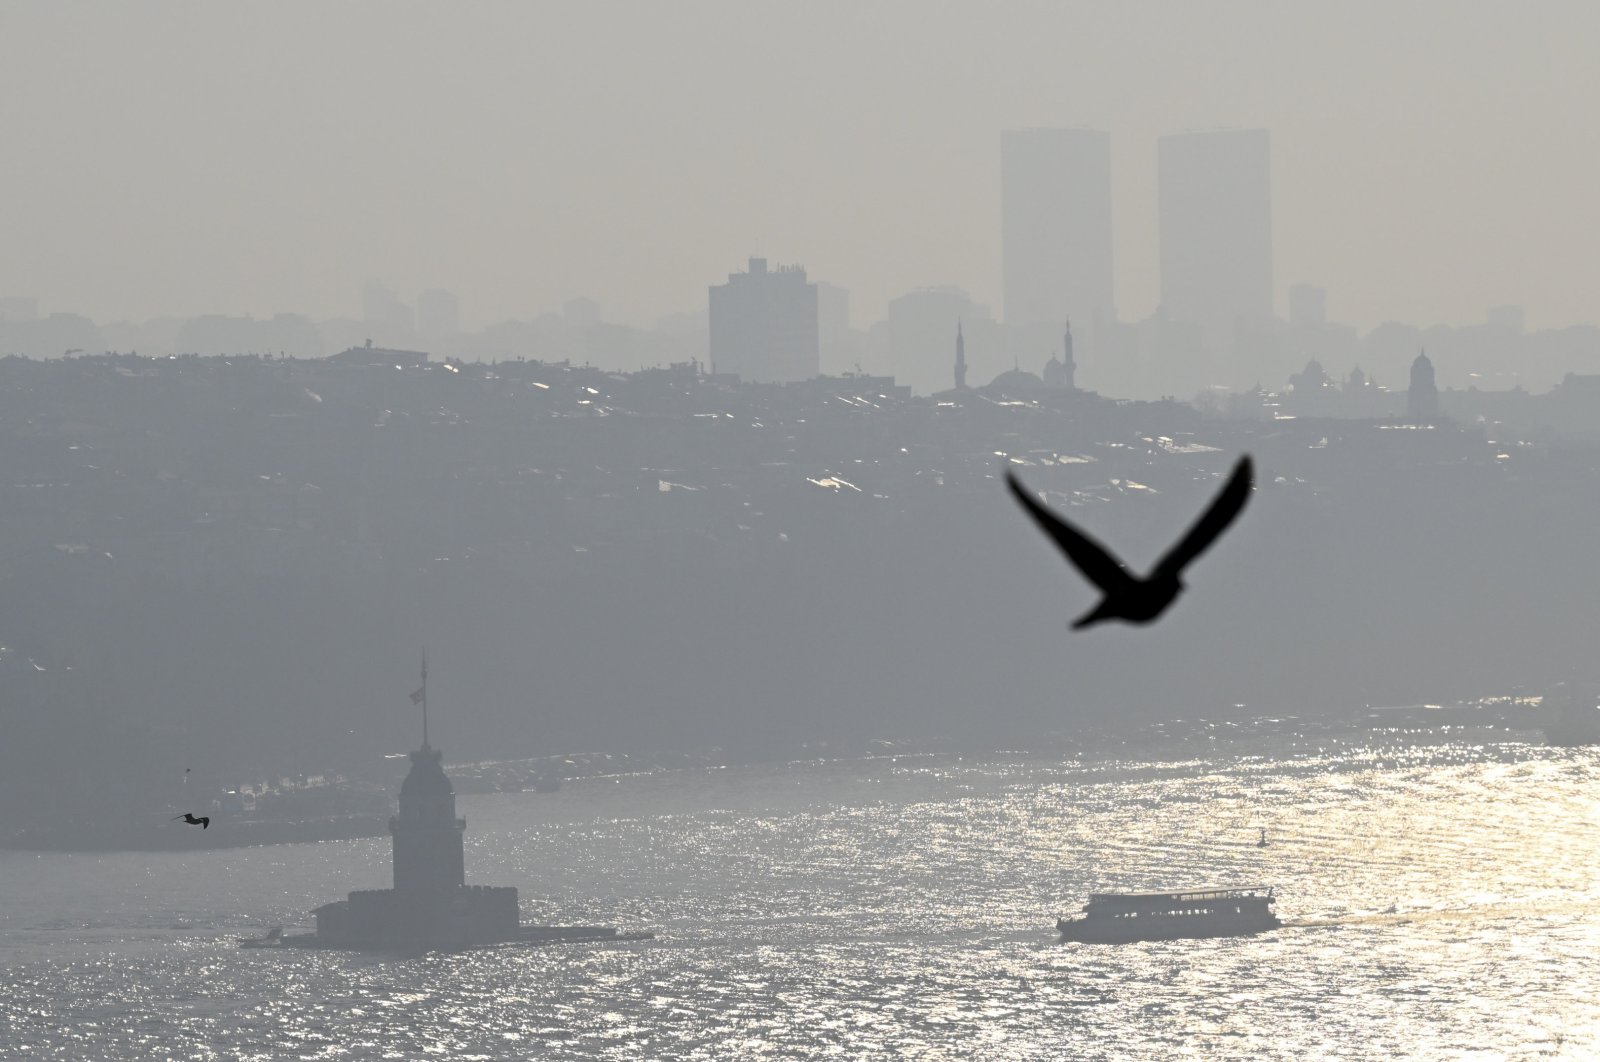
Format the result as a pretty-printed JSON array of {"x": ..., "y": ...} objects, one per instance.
[{"x": 424, "y": 698}]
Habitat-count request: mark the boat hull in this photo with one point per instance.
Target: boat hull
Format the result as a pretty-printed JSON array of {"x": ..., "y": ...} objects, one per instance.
[{"x": 1128, "y": 931}]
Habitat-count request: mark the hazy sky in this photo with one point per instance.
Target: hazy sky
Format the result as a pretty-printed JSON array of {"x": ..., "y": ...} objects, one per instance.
[{"x": 1430, "y": 158}]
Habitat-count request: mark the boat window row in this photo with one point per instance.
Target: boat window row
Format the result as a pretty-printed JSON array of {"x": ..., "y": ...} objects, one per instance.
[{"x": 1179, "y": 912}]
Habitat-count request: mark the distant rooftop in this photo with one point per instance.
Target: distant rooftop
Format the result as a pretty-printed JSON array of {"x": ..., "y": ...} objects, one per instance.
[{"x": 371, "y": 355}]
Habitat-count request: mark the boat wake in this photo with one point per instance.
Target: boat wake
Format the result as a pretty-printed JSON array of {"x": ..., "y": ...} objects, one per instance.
[{"x": 1497, "y": 912}]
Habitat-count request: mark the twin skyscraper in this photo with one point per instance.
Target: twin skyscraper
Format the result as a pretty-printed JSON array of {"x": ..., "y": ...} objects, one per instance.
[{"x": 1215, "y": 205}]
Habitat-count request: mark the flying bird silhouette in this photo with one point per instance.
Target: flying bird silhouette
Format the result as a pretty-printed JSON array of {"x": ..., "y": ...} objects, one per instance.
[
  {"x": 204, "y": 821},
  {"x": 1128, "y": 597}
]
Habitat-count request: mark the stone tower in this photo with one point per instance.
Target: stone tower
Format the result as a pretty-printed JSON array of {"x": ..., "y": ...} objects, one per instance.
[{"x": 427, "y": 835}]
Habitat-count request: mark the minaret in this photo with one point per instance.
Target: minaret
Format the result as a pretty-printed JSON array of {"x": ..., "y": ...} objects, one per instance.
[
  {"x": 961, "y": 359},
  {"x": 1069, "y": 365}
]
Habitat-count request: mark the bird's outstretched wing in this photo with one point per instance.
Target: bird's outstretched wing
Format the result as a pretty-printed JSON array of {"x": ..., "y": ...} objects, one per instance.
[
  {"x": 1211, "y": 523},
  {"x": 175, "y": 818},
  {"x": 205, "y": 822},
  {"x": 1096, "y": 562}
]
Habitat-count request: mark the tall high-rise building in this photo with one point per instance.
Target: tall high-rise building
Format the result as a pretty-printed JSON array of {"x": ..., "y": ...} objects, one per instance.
[
  {"x": 764, "y": 324},
  {"x": 1055, "y": 235},
  {"x": 1216, "y": 230}
]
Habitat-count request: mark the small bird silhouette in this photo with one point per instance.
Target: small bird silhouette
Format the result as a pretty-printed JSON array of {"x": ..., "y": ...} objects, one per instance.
[
  {"x": 1128, "y": 597},
  {"x": 203, "y": 821}
]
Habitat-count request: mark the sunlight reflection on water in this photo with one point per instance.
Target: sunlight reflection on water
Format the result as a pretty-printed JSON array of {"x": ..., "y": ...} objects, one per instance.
[{"x": 882, "y": 908}]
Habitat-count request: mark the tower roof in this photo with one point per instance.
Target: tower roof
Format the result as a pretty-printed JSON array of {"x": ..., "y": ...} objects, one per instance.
[{"x": 426, "y": 778}]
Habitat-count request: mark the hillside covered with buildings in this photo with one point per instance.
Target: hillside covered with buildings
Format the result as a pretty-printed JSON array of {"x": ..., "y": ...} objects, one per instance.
[{"x": 231, "y": 563}]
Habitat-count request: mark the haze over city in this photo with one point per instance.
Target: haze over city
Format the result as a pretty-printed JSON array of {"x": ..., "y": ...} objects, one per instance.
[
  {"x": 755, "y": 530},
  {"x": 178, "y": 159}
]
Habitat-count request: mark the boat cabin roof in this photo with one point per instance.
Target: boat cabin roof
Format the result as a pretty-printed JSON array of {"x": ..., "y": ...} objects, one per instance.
[{"x": 1229, "y": 892}]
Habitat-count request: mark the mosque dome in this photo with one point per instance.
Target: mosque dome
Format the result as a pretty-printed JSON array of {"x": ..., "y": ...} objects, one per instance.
[{"x": 1015, "y": 381}]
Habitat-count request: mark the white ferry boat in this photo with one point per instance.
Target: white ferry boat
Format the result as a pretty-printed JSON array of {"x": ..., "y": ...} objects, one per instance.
[{"x": 1120, "y": 917}]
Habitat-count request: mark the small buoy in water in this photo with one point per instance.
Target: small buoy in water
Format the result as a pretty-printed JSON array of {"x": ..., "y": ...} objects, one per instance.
[{"x": 1263, "y": 842}]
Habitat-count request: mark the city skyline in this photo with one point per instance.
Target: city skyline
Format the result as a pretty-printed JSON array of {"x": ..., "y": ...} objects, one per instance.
[
  {"x": 1215, "y": 206},
  {"x": 914, "y": 345},
  {"x": 1414, "y": 183},
  {"x": 435, "y": 310},
  {"x": 1056, "y": 200},
  {"x": 895, "y": 498}
]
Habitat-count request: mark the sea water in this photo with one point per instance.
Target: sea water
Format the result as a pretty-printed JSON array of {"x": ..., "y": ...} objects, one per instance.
[{"x": 1441, "y": 895}]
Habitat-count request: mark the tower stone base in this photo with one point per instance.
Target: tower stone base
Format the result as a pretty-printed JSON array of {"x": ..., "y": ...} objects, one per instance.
[{"x": 462, "y": 917}]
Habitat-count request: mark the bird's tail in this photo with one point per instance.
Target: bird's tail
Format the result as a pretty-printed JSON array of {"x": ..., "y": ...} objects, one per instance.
[{"x": 1093, "y": 616}]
